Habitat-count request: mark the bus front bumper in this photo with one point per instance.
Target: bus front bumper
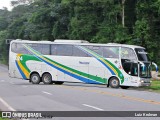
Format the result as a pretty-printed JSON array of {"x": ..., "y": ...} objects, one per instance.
[{"x": 145, "y": 82}]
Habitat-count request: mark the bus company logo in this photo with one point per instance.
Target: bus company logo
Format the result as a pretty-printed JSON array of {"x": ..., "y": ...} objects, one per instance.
[{"x": 6, "y": 114}]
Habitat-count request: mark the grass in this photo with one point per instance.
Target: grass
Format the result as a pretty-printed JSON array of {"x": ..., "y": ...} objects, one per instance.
[
  {"x": 4, "y": 118},
  {"x": 1, "y": 116},
  {"x": 155, "y": 86}
]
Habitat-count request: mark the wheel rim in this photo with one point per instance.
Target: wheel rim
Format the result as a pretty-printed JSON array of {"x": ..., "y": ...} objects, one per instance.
[
  {"x": 47, "y": 78},
  {"x": 114, "y": 82},
  {"x": 35, "y": 78}
]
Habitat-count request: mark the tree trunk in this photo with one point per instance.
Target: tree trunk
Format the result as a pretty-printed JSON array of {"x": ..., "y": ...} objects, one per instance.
[{"x": 123, "y": 14}]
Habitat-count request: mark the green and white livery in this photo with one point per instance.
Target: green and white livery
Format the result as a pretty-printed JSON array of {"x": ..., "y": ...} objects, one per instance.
[{"x": 79, "y": 61}]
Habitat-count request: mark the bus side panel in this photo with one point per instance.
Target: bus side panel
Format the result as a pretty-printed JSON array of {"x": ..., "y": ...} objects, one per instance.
[
  {"x": 127, "y": 77},
  {"x": 130, "y": 80},
  {"x": 71, "y": 62},
  {"x": 41, "y": 68},
  {"x": 98, "y": 69},
  {"x": 13, "y": 67}
]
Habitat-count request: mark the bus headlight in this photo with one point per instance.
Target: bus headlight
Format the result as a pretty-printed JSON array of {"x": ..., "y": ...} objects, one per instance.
[{"x": 142, "y": 81}]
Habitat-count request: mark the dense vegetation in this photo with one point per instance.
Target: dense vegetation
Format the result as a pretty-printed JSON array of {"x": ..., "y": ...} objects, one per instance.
[{"x": 121, "y": 21}]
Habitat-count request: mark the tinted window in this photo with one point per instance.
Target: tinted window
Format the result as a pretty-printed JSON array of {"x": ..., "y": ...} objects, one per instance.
[
  {"x": 62, "y": 50},
  {"x": 46, "y": 49},
  {"x": 107, "y": 52},
  {"x": 145, "y": 71},
  {"x": 131, "y": 68},
  {"x": 19, "y": 48},
  {"x": 78, "y": 52},
  {"x": 41, "y": 48},
  {"x": 96, "y": 49},
  {"x": 53, "y": 49},
  {"x": 111, "y": 52},
  {"x": 142, "y": 55},
  {"x": 37, "y": 47}
]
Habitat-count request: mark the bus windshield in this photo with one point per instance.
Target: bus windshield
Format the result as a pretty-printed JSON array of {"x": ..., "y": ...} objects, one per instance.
[
  {"x": 141, "y": 54},
  {"x": 145, "y": 71},
  {"x": 130, "y": 63}
]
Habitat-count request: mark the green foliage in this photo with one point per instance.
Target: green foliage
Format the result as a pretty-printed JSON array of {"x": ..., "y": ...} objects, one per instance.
[
  {"x": 147, "y": 27},
  {"x": 155, "y": 86},
  {"x": 3, "y": 51},
  {"x": 92, "y": 20}
]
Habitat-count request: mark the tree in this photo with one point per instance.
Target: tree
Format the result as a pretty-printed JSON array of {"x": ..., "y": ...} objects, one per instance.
[
  {"x": 147, "y": 17},
  {"x": 103, "y": 21},
  {"x": 3, "y": 51}
]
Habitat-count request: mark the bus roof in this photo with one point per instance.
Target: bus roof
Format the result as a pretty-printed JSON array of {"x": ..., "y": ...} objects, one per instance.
[
  {"x": 70, "y": 41},
  {"x": 76, "y": 42}
]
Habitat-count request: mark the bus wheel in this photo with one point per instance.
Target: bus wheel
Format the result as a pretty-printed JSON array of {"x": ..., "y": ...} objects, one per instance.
[
  {"x": 47, "y": 78},
  {"x": 35, "y": 78},
  {"x": 58, "y": 83},
  {"x": 114, "y": 82},
  {"x": 124, "y": 87}
]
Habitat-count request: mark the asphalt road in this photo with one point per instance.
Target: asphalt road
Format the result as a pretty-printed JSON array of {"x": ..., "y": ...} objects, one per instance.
[{"x": 20, "y": 95}]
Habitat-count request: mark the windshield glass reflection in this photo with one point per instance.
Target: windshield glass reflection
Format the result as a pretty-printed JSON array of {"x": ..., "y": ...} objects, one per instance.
[{"x": 141, "y": 54}]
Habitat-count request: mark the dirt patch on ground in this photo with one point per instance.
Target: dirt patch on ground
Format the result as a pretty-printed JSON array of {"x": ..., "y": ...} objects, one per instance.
[{"x": 155, "y": 75}]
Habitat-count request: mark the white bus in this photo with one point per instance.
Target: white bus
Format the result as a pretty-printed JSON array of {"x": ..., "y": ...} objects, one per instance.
[{"x": 116, "y": 65}]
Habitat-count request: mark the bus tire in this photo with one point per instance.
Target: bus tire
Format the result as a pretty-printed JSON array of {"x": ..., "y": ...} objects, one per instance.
[
  {"x": 58, "y": 82},
  {"x": 124, "y": 87},
  {"x": 35, "y": 78},
  {"x": 114, "y": 82},
  {"x": 47, "y": 78}
]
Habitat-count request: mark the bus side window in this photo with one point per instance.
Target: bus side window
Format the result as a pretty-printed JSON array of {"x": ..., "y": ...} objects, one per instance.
[
  {"x": 37, "y": 47},
  {"x": 127, "y": 53},
  {"x": 127, "y": 67},
  {"x": 53, "y": 49},
  {"x": 62, "y": 50},
  {"x": 111, "y": 52},
  {"x": 19, "y": 48},
  {"x": 96, "y": 49},
  {"x": 78, "y": 52},
  {"x": 131, "y": 68},
  {"x": 46, "y": 49},
  {"x": 134, "y": 69}
]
